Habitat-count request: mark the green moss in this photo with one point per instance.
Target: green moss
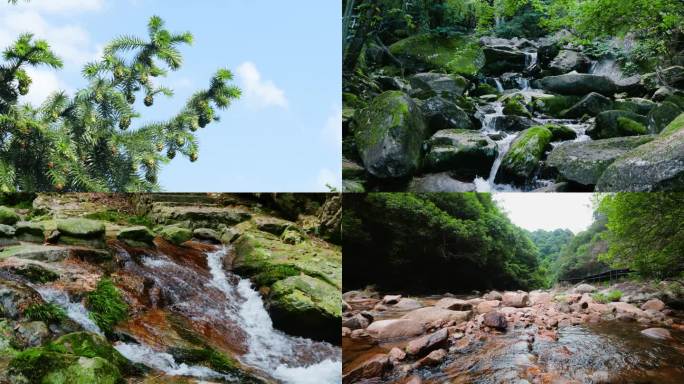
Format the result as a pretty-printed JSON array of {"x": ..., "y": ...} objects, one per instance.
[
  {"x": 176, "y": 235},
  {"x": 91, "y": 345},
  {"x": 140, "y": 236},
  {"x": 8, "y": 216},
  {"x": 106, "y": 305},
  {"x": 525, "y": 153},
  {"x": 458, "y": 54},
  {"x": 674, "y": 126},
  {"x": 45, "y": 312},
  {"x": 553, "y": 105},
  {"x": 121, "y": 218},
  {"x": 513, "y": 106},
  {"x": 611, "y": 296},
  {"x": 35, "y": 363},
  {"x": 272, "y": 273},
  {"x": 393, "y": 104},
  {"x": 350, "y": 100},
  {"x": 630, "y": 127},
  {"x": 81, "y": 228},
  {"x": 484, "y": 89},
  {"x": 560, "y": 132},
  {"x": 36, "y": 274}
]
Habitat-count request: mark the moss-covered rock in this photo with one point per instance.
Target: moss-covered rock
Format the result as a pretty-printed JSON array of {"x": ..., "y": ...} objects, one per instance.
[
  {"x": 636, "y": 105},
  {"x": 561, "y": 132},
  {"x": 198, "y": 216},
  {"x": 464, "y": 153},
  {"x": 522, "y": 160},
  {"x": 42, "y": 365},
  {"x": 584, "y": 162},
  {"x": 514, "y": 106},
  {"x": 389, "y": 135},
  {"x": 457, "y": 54},
  {"x": 306, "y": 306},
  {"x": 30, "y": 232},
  {"x": 175, "y": 234},
  {"x": 81, "y": 232},
  {"x": 484, "y": 89},
  {"x": 662, "y": 115},
  {"x": 578, "y": 84},
  {"x": 553, "y": 105},
  {"x": 499, "y": 60},
  {"x": 91, "y": 345},
  {"x": 36, "y": 273},
  {"x": 430, "y": 84},
  {"x": 7, "y": 236},
  {"x": 137, "y": 236},
  {"x": 441, "y": 114},
  {"x": 8, "y": 216},
  {"x": 655, "y": 166},
  {"x": 591, "y": 105},
  {"x": 614, "y": 124},
  {"x": 353, "y": 186}
]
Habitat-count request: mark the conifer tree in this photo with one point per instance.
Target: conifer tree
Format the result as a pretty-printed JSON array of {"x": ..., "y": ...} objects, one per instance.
[{"x": 96, "y": 140}]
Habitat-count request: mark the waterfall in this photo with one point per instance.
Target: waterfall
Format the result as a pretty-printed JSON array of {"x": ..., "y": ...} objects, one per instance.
[
  {"x": 530, "y": 59},
  {"x": 499, "y": 86},
  {"x": 268, "y": 347},
  {"x": 75, "y": 310}
]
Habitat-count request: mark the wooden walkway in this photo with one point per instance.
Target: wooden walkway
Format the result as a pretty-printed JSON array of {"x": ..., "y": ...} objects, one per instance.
[{"x": 613, "y": 274}]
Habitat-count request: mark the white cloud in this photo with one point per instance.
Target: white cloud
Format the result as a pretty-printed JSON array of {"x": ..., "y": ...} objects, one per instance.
[
  {"x": 548, "y": 211},
  {"x": 45, "y": 82},
  {"x": 259, "y": 93},
  {"x": 327, "y": 179},
  {"x": 332, "y": 131}
]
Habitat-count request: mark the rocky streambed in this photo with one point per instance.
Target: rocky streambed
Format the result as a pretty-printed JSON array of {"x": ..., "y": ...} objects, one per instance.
[
  {"x": 570, "y": 335},
  {"x": 454, "y": 114},
  {"x": 169, "y": 288}
]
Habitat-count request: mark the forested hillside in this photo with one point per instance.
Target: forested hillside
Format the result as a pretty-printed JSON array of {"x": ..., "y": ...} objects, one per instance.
[
  {"x": 549, "y": 244},
  {"x": 561, "y": 95}
]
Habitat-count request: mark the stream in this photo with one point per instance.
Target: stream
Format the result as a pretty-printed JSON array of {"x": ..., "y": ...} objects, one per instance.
[{"x": 227, "y": 310}]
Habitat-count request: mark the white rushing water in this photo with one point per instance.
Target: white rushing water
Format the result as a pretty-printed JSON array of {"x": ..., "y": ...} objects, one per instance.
[
  {"x": 75, "y": 310},
  {"x": 268, "y": 347},
  {"x": 165, "y": 362}
]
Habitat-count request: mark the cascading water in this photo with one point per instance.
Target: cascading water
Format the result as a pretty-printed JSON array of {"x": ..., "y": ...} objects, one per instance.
[
  {"x": 269, "y": 349},
  {"x": 74, "y": 310},
  {"x": 488, "y": 117}
]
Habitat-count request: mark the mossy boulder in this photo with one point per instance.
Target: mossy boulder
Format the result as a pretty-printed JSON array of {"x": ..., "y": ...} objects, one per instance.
[
  {"x": 30, "y": 232},
  {"x": 484, "y": 89},
  {"x": 441, "y": 114},
  {"x": 92, "y": 345},
  {"x": 655, "y": 166},
  {"x": 7, "y": 237},
  {"x": 522, "y": 160},
  {"x": 175, "y": 234},
  {"x": 353, "y": 186},
  {"x": 431, "y": 84},
  {"x": 636, "y": 105},
  {"x": 591, "y": 105},
  {"x": 616, "y": 124},
  {"x": 81, "y": 232},
  {"x": 193, "y": 215},
  {"x": 662, "y": 115},
  {"x": 503, "y": 59},
  {"x": 463, "y": 153},
  {"x": 561, "y": 132},
  {"x": 137, "y": 236},
  {"x": 553, "y": 105},
  {"x": 306, "y": 306},
  {"x": 458, "y": 54},
  {"x": 389, "y": 135},
  {"x": 42, "y": 365},
  {"x": 439, "y": 182},
  {"x": 584, "y": 162},
  {"x": 8, "y": 216},
  {"x": 514, "y": 106},
  {"x": 578, "y": 84}
]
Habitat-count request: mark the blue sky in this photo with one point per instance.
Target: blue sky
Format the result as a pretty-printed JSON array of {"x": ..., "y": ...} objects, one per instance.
[{"x": 283, "y": 135}]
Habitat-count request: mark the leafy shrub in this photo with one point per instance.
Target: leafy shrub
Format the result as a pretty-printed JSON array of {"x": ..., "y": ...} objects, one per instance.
[
  {"x": 611, "y": 296},
  {"x": 106, "y": 306}
]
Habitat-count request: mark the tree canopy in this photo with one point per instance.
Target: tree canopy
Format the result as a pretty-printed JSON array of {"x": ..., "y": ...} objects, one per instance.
[{"x": 96, "y": 139}]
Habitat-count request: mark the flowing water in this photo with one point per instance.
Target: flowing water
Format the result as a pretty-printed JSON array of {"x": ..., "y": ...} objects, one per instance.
[{"x": 74, "y": 309}]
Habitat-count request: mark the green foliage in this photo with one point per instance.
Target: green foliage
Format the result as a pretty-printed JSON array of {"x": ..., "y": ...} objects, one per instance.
[
  {"x": 273, "y": 273},
  {"x": 645, "y": 232},
  {"x": 83, "y": 143},
  {"x": 614, "y": 295},
  {"x": 106, "y": 305},
  {"x": 430, "y": 241},
  {"x": 579, "y": 257},
  {"x": 46, "y": 312}
]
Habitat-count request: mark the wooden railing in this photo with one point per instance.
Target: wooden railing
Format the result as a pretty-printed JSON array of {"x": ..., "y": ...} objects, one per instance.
[{"x": 613, "y": 274}]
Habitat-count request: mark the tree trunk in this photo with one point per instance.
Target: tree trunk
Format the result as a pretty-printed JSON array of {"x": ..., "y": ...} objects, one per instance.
[{"x": 351, "y": 56}]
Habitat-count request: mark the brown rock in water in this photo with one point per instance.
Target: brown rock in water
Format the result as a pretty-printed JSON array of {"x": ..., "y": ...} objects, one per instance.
[
  {"x": 407, "y": 304},
  {"x": 657, "y": 333},
  {"x": 357, "y": 321},
  {"x": 515, "y": 299},
  {"x": 396, "y": 354},
  {"x": 427, "y": 343},
  {"x": 496, "y": 320},
  {"x": 430, "y": 315},
  {"x": 433, "y": 358},
  {"x": 487, "y": 306},
  {"x": 454, "y": 304},
  {"x": 395, "y": 329},
  {"x": 540, "y": 298},
  {"x": 654, "y": 304},
  {"x": 376, "y": 366},
  {"x": 493, "y": 295}
]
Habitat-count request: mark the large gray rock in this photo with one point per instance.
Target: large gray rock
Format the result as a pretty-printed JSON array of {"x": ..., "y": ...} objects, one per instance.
[
  {"x": 662, "y": 115},
  {"x": 425, "y": 344},
  {"x": 441, "y": 114},
  {"x": 655, "y": 166},
  {"x": 496, "y": 320},
  {"x": 673, "y": 76},
  {"x": 584, "y": 162},
  {"x": 637, "y": 105},
  {"x": 512, "y": 123},
  {"x": 592, "y": 104},
  {"x": 429, "y": 315},
  {"x": 502, "y": 59},
  {"x": 578, "y": 84},
  {"x": 618, "y": 123},
  {"x": 463, "y": 153},
  {"x": 438, "y": 84},
  {"x": 439, "y": 182},
  {"x": 515, "y": 299},
  {"x": 395, "y": 329},
  {"x": 522, "y": 159},
  {"x": 389, "y": 135},
  {"x": 568, "y": 61}
]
